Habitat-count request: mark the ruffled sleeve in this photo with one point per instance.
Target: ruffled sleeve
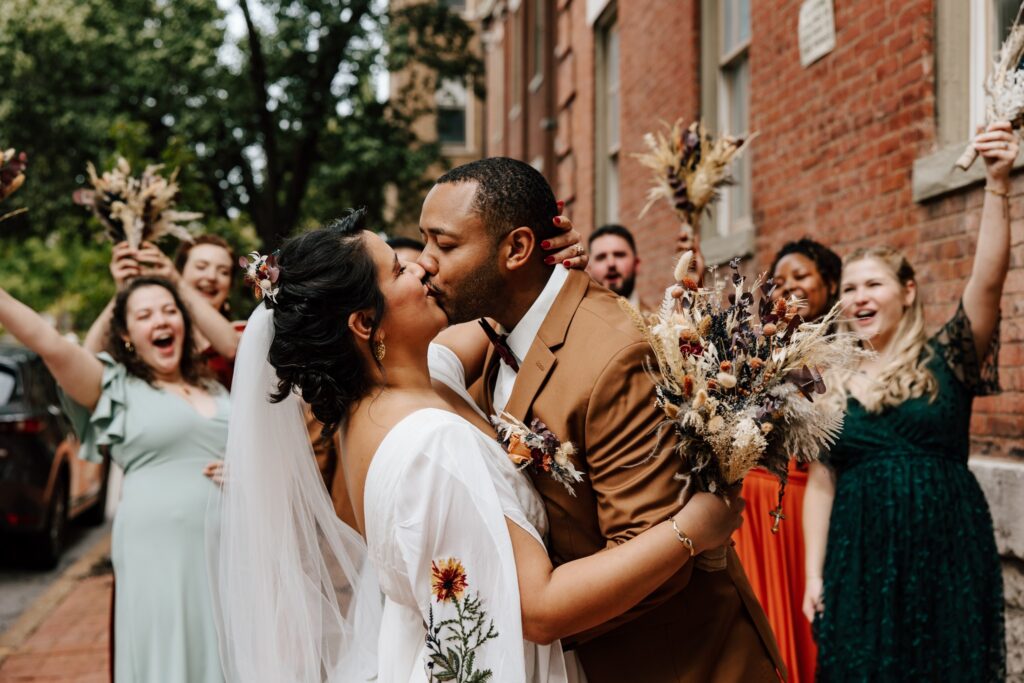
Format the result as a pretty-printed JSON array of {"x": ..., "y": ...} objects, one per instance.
[
  {"x": 105, "y": 425},
  {"x": 955, "y": 344}
]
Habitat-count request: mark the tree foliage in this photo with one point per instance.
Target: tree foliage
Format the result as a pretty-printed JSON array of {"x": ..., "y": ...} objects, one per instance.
[{"x": 268, "y": 106}]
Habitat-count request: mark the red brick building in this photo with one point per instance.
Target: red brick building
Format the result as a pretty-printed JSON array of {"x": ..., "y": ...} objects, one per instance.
[{"x": 855, "y": 148}]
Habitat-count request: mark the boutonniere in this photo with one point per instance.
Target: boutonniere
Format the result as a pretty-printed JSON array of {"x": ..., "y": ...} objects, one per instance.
[{"x": 537, "y": 448}]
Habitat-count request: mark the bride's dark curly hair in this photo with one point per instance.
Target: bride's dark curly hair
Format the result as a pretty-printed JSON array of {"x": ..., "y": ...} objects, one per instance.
[{"x": 325, "y": 276}]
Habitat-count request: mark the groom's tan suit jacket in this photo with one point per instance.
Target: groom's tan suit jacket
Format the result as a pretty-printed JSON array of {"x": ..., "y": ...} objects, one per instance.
[{"x": 584, "y": 378}]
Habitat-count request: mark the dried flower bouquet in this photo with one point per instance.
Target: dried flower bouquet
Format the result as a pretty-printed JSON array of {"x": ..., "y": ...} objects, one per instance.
[
  {"x": 690, "y": 167},
  {"x": 133, "y": 209},
  {"x": 741, "y": 380},
  {"x": 1004, "y": 87}
]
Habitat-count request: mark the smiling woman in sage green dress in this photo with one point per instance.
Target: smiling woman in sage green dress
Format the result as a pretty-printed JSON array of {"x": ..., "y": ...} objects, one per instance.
[
  {"x": 903, "y": 577},
  {"x": 164, "y": 421}
]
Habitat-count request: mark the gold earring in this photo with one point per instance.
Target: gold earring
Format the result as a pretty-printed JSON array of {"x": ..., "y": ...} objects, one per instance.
[
  {"x": 129, "y": 347},
  {"x": 379, "y": 350}
]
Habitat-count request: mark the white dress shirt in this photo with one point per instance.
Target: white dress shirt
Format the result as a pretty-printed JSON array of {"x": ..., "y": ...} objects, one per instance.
[{"x": 520, "y": 339}]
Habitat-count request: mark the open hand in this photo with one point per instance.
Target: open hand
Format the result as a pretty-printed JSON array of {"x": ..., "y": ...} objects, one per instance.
[
  {"x": 566, "y": 248},
  {"x": 214, "y": 471}
]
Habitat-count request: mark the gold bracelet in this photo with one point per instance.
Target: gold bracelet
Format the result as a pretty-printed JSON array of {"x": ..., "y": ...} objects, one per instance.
[
  {"x": 683, "y": 538},
  {"x": 999, "y": 193}
]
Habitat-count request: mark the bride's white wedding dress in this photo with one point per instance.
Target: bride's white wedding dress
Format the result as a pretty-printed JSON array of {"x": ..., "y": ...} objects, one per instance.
[
  {"x": 298, "y": 592},
  {"x": 437, "y": 495}
]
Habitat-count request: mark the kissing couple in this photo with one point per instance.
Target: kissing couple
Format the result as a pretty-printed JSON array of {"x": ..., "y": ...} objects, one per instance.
[{"x": 572, "y": 563}]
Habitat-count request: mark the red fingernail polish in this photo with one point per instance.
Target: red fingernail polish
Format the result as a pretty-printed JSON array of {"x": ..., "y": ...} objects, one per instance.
[
  {"x": 545, "y": 244},
  {"x": 557, "y": 220},
  {"x": 565, "y": 263},
  {"x": 549, "y": 260},
  {"x": 561, "y": 204}
]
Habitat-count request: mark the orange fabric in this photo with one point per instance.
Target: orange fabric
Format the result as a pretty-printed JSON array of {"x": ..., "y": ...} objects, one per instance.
[{"x": 775, "y": 564}]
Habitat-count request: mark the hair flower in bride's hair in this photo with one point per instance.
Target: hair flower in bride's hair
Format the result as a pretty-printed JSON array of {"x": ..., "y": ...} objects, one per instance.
[
  {"x": 262, "y": 273},
  {"x": 537, "y": 448}
]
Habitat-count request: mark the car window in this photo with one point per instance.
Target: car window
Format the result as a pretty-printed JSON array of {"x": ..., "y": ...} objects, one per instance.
[{"x": 8, "y": 385}]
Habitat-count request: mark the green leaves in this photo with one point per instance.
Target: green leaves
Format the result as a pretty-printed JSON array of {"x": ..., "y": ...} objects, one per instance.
[{"x": 278, "y": 127}]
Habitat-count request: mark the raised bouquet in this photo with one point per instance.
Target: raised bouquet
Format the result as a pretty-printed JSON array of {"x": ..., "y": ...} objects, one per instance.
[
  {"x": 12, "y": 176},
  {"x": 739, "y": 377},
  {"x": 1004, "y": 87},
  {"x": 690, "y": 167},
  {"x": 133, "y": 209}
]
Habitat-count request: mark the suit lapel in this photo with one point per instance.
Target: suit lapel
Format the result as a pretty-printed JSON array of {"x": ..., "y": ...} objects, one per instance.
[{"x": 540, "y": 360}]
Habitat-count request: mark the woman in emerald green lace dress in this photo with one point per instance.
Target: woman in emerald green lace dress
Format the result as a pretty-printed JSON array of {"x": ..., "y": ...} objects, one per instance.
[{"x": 903, "y": 577}]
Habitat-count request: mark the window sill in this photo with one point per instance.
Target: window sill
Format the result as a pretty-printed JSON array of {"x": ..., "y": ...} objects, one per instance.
[
  {"x": 936, "y": 174},
  {"x": 719, "y": 249}
]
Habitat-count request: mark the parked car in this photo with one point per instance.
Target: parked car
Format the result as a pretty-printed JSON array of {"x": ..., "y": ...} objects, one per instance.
[{"x": 43, "y": 482}]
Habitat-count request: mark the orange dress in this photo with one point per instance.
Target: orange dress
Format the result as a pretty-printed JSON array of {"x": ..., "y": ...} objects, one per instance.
[{"x": 775, "y": 564}]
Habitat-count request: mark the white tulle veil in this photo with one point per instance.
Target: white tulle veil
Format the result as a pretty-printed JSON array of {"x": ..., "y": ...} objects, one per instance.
[{"x": 295, "y": 597}]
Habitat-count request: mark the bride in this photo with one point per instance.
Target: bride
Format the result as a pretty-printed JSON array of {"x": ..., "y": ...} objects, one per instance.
[{"x": 454, "y": 534}]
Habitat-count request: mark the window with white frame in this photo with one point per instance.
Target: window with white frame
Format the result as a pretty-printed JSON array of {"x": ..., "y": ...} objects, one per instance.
[
  {"x": 990, "y": 23},
  {"x": 607, "y": 119},
  {"x": 734, "y": 212},
  {"x": 452, "y": 102}
]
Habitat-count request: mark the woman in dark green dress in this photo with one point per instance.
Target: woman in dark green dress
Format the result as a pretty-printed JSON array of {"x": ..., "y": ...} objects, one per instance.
[{"x": 904, "y": 582}]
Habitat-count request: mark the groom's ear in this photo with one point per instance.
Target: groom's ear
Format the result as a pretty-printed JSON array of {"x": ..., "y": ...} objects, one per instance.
[
  {"x": 520, "y": 245},
  {"x": 361, "y": 324}
]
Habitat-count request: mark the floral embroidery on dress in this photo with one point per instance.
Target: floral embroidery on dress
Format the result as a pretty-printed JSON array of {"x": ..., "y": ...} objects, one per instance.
[
  {"x": 536, "y": 447},
  {"x": 452, "y": 643}
]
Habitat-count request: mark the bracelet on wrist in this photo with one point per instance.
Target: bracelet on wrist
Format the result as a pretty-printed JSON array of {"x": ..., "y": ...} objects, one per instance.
[
  {"x": 1005, "y": 194},
  {"x": 683, "y": 538}
]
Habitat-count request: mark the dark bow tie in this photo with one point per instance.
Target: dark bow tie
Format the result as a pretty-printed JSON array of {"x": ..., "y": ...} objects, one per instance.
[{"x": 501, "y": 347}]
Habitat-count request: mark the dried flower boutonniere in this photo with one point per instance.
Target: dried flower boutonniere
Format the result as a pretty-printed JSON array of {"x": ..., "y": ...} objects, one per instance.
[
  {"x": 262, "y": 273},
  {"x": 536, "y": 447}
]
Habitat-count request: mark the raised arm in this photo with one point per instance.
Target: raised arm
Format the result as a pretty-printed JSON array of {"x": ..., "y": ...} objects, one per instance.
[
  {"x": 593, "y": 590},
  {"x": 821, "y": 490},
  {"x": 123, "y": 267},
  {"x": 998, "y": 146},
  {"x": 79, "y": 372}
]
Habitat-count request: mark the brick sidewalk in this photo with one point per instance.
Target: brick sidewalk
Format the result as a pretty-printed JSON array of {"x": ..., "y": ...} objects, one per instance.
[{"x": 63, "y": 637}]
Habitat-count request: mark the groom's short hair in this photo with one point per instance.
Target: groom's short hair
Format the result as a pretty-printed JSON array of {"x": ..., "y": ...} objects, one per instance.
[{"x": 509, "y": 194}]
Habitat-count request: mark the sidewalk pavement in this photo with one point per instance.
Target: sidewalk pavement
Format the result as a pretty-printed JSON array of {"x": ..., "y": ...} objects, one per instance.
[{"x": 63, "y": 637}]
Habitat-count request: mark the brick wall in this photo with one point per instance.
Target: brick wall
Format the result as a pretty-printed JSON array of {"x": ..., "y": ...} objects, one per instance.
[{"x": 834, "y": 159}]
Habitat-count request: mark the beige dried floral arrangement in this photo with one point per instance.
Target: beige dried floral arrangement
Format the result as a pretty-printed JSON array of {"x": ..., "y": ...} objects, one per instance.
[
  {"x": 690, "y": 167},
  {"x": 133, "y": 209},
  {"x": 1004, "y": 88},
  {"x": 740, "y": 378}
]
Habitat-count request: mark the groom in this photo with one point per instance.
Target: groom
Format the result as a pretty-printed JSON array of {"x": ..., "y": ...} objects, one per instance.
[{"x": 574, "y": 360}]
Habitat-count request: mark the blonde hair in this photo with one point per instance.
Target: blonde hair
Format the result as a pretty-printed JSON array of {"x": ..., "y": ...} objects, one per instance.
[{"x": 905, "y": 374}]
